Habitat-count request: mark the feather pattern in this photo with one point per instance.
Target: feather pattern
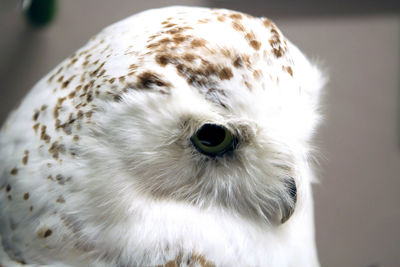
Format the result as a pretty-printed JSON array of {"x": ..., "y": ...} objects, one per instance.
[{"x": 97, "y": 167}]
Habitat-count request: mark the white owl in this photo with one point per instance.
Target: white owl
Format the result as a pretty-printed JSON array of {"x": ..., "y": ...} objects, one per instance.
[{"x": 177, "y": 137}]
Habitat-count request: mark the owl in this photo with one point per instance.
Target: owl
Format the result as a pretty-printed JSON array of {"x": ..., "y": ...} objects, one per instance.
[{"x": 179, "y": 136}]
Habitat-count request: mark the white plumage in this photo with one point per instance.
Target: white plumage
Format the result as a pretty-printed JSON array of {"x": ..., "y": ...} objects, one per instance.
[{"x": 100, "y": 165}]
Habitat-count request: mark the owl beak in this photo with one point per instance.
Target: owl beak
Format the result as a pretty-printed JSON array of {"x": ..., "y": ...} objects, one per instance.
[{"x": 289, "y": 205}]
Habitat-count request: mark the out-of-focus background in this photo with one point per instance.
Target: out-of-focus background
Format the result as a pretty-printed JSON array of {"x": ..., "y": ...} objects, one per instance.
[{"x": 357, "y": 42}]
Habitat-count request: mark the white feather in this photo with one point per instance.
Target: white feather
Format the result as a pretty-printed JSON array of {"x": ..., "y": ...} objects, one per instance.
[{"x": 97, "y": 167}]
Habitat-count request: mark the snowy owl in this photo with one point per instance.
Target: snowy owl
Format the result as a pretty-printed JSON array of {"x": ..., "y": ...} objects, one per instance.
[{"x": 176, "y": 137}]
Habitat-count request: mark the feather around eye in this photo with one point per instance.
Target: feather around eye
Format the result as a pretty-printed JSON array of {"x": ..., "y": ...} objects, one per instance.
[
  {"x": 179, "y": 136},
  {"x": 147, "y": 80}
]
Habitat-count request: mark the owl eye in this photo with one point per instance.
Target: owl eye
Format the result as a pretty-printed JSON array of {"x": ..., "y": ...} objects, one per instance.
[{"x": 213, "y": 140}]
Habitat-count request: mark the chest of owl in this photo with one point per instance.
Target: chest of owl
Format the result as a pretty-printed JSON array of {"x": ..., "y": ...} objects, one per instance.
[{"x": 167, "y": 144}]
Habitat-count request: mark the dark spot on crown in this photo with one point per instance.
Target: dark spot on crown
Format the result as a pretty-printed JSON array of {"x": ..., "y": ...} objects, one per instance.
[
  {"x": 189, "y": 57},
  {"x": 226, "y": 52},
  {"x": 203, "y": 21},
  {"x": 198, "y": 43},
  {"x": 60, "y": 179},
  {"x": 238, "y": 26},
  {"x": 289, "y": 70},
  {"x": 267, "y": 23},
  {"x": 178, "y": 38},
  {"x": 60, "y": 199},
  {"x": 66, "y": 127},
  {"x": 225, "y": 73},
  {"x": 50, "y": 78},
  {"x": 57, "y": 124},
  {"x": 59, "y": 70},
  {"x": 26, "y": 196},
  {"x": 250, "y": 36},
  {"x": 275, "y": 43},
  {"x": 152, "y": 45},
  {"x": 238, "y": 62},
  {"x": 8, "y": 188},
  {"x": 14, "y": 171},
  {"x": 163, "y": 59},
  {"x": 197, "y": 77},
  {"x": 278, "y": 52},
  {"x": 98, "y": 68},
  {"x": 133, "y": 67},
  {"x": 101, "y": 73},
  {"x": 221, "y": 18},
  {"x": 36, "y": 115},
  {"x": 169, "y": 25},
  {"x": 56, "y": 148},
  {"x": 175, "y": 30},
  {"x": 71, "y": 118},
  {"x": 235, "y": 16},
  {"x": 255, "y": 44},
  {"x": 117, "y": 98},
  {"x": 274, "y": 32},
  {"x": 72, "y": 94},
  {"x": 89, "y": 97},
  {"x": 65, "y": 84},
  {"x": 35, "y": 127},
  {"x": 25, "y": 158},
  {"x": 257, "y": 74},
  {"x": 164, "y": 41},
  {"x": 248, "y": 85},
  {"x": 80, "y": 114},
  {"x": 58, "y": 106},
  {"x": 43, "y": 135},
  {"x": 56, "y": 111},
  {"x": 89, "y": 114},
  {"x": 86, "y": 87},
  {"x": 193, "y": 260},
  {"x": 47, "y": 233}
]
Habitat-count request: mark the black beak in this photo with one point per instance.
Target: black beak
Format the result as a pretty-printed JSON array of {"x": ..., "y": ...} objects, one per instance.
[{"x": 288, "y": 208}]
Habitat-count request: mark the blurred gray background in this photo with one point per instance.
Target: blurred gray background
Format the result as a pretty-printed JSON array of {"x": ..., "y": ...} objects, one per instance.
[{"x": 357, "y": 42}]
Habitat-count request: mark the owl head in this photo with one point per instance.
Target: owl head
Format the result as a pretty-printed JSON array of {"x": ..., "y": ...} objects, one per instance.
[{"x": 210, "y": 108}]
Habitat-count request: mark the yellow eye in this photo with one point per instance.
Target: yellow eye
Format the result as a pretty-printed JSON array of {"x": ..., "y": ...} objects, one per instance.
[{"x": 213, "y": 140}]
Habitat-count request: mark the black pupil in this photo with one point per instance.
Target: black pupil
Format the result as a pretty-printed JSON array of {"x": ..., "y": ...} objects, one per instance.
[{"x": 211, "y": 135}]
